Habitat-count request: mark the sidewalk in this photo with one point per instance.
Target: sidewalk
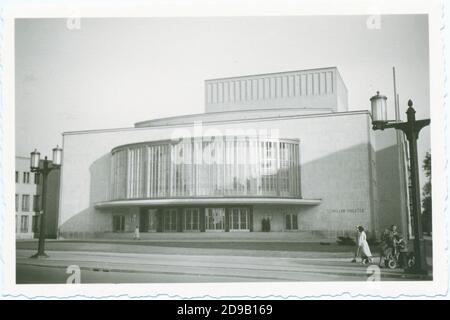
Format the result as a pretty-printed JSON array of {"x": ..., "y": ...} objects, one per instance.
[
  {"x": 259, "y": 248},
  {"x": 224, "y": 248},
  {"x": 161, "y": 262},
  {"x": 304, "y": 236},
  {"x": 244, "y": 268}
]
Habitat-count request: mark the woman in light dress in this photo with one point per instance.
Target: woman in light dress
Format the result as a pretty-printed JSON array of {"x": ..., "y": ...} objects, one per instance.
[
  {"x": 136, "y": 233},
  {"x": 363, "y": 246}
]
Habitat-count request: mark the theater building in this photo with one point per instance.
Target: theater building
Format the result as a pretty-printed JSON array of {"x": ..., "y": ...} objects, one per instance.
[{"x": 273, "y": 154}]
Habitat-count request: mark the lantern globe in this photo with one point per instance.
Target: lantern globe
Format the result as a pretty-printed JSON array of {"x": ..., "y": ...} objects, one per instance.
[
  {"x": 379, "y": 108},
  {"x": 57, "y": 156},
  {"x": 35, "y": 158}
]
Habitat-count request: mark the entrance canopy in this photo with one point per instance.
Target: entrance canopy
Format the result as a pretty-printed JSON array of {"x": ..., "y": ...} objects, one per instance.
[{"x": 207, "y": 201}]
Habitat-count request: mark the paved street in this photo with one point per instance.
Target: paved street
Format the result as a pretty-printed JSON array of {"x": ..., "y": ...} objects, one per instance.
[{"x": 148, "y": 261}]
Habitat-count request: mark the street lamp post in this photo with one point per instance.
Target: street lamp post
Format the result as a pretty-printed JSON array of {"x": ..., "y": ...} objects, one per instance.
[
  {"x": 411, "y": 129},
  {"x": 47, "y": 166}
]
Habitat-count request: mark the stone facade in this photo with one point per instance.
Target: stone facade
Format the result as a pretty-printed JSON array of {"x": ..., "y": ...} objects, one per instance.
[{"x": 338, "y": 165}]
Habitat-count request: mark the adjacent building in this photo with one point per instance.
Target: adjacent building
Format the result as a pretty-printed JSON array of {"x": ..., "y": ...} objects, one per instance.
[
  {"x": 29, "y": 201},
  {"x": 26, "y": 199},
  {"x": 277, "y": 153}
]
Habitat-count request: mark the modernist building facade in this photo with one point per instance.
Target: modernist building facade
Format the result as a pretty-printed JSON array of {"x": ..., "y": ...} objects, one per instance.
[{"x": 272, "y": 153}]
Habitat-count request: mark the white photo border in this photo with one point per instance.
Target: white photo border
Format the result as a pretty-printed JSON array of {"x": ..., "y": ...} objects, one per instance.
[{"x": 438, "y": 287}]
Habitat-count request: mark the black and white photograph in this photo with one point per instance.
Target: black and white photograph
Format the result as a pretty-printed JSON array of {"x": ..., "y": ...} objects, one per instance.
[{"x": 238, "y": 149}]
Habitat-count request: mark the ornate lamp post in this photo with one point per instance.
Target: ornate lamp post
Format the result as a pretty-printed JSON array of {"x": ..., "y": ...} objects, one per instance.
[
  {"x": 47, "y": 166},
  {"x": 411, "y": 129}
]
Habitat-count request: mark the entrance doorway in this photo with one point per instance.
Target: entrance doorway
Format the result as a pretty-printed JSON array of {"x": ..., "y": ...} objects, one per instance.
[
  {"x": 170, "y": 220},
  {"x": 195, "y": 219},
  {"x": 148, "y": 220},
  {"x": 191, "y": 218},
  {"x": 239, "y": 219},
  {"x": 214, "y": 219}
]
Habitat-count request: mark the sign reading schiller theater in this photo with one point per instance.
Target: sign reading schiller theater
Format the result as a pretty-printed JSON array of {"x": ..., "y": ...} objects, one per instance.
[{"x": 322, "y": 160}]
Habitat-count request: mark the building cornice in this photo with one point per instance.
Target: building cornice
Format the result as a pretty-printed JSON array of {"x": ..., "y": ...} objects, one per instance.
[
  {"x": 273, "y": 73},
  {"x": 272, "y": 118},
  {"x": 207, "y": 201}
]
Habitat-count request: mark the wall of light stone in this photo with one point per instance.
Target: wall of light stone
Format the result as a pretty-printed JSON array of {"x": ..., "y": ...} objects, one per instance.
[{"x": 337, "y": 166}]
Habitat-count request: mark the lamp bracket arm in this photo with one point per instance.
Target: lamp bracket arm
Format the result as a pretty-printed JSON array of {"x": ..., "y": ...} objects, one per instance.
[
  {"x": 410, "y": 129},
  {"x": 395, "y": 125},
  {"x": 419, "y": 124},
  {"x": 403, "y": 126}
]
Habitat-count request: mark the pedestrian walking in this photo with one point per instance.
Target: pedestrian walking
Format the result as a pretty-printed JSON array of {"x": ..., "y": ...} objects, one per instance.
[
  {"x": 136, "y": 233},
  {"x": 364, "y": 248}
]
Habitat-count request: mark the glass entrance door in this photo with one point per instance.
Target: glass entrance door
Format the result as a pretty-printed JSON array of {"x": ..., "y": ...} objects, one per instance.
[
  {"x": 215, "y": 218},
  {"x": 147, "y": 220},
  {"x": 239, "y": 219},
  {"x": 152, "y": 216},
  {"x": 191, "y": 219},
  {"x": 170, "y": 220}
]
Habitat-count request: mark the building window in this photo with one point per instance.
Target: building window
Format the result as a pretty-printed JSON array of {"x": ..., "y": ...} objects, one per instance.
[
  {"x": 207, "y": 166},
  {"x": 25, "y": 202},
  {"x": 37, "y": 177},
  {"x": 285, "y": 165},
  {"x": 36, "y": 203},
  {"x": 17, "y": 176},
  {"x": 17, "y": 202},
  {"x": 239, "y": 219},
  {"x": 291, "y": 221},
  {"x": 118, "y": 223},
  {"x": 23, "y": 224},
  {"x": 26, "y": 177},
  {"x": 215, "y": 218},
  {"x": 170, "y": 220},
  {"x": 191, "y": 219}
]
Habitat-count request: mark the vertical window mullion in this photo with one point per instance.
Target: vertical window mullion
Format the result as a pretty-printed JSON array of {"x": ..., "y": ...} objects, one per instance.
[
  {"x": 298, "y": 182},
  {"x": 171, "y": 170},
  {"x": 291, "y": 166},
  {"x": 128, "y": 176},
  {"x": 160, "y": 173},
  {"x": 147, "y": 179},
  {"x": 150, "y": 171}
]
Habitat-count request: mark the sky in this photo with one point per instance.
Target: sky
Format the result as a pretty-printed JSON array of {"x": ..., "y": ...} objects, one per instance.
[{"x": 113, "y": 72}]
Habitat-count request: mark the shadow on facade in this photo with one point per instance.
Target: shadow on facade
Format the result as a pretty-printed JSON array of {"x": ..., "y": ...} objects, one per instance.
[{"x": 88, "y": 223}]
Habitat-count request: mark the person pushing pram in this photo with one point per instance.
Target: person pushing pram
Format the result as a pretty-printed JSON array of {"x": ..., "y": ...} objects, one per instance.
[{"x": 393, "y": 249}]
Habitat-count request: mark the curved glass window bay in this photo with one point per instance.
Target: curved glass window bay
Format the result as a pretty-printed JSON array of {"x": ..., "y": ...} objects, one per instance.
[{"x": 206, "y": 167}]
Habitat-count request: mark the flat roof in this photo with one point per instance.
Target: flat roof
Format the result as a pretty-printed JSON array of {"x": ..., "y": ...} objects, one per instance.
[
  {"x": 274, "y": 73},
  {"x": 256, "y": 113}
]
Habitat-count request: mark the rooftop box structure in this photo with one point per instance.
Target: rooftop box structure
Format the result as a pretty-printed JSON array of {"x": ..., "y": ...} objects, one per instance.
[{"x": 304, "y": 89}]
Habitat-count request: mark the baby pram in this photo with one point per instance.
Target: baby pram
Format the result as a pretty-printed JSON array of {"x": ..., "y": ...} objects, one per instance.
[{"x": 395, "y": 253}]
